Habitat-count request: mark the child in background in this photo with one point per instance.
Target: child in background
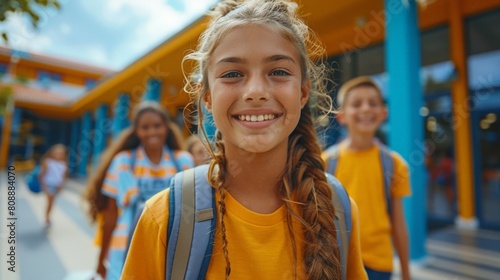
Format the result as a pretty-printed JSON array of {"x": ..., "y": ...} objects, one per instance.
[
  {"x": 54, "y": 170},
  {"x": 198, "y": 150},
  {"x": 275, "y": 218},
  {"x": 357, "y": 163},
  {"x": 136, "y": 166}
]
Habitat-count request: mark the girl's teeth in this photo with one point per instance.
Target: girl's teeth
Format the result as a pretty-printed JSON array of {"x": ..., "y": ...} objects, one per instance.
[{"x": 256, "y": 118}]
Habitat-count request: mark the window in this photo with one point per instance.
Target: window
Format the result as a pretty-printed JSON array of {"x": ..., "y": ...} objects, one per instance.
[
  {"x": 90, "y": 83},
  {"x": 46, "y": 75},
  {"x": 371, "y": 61},
  {"x": 3, "y": 69},
  {"x": 483, "y": 39},
  {"x": 435, "y": 44}
]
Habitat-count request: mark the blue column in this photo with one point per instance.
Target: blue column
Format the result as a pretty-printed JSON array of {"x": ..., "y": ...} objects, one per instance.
[
  {"x": 153, "y": 90},
  {"x": 101, "y": 132},
  {"x": 84, "y": 146},
  {"x": 405, "y": 99},
  {"x": 74, "y": 159},
  {"x": 120, "y": 114},
  {"x": 16, "y": 119},
  {"x": 15, "y": 145}
]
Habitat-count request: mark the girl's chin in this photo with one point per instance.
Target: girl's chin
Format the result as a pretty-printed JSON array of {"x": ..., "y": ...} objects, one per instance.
[
  {"x": 154, "y": 145},
  {"x": 258, "y": 147},
  {"x": 366, "y": 130}
]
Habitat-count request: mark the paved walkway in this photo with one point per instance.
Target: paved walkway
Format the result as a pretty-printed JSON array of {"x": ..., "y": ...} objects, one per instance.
[{"x": 66, "y": 252}]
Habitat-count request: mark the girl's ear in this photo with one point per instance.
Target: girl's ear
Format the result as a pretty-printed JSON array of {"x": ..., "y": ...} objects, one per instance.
[
  {"x": 304, "y": 92},
  {"x": 340, "y": 117},
  {"x": 207, "y": 100},
  {"x": 385, "y": 113}
]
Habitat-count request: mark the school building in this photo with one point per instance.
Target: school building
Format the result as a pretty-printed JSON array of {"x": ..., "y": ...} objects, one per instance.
[{"x": 437, "y": 61}]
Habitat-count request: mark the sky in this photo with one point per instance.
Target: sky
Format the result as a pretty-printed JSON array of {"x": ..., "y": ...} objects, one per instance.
[{"x": 106, "y": 33}]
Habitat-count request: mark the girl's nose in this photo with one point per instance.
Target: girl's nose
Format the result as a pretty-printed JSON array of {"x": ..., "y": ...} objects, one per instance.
[
  {"x": 256, "y": 90},
  {"x": 365, "y": 106}
]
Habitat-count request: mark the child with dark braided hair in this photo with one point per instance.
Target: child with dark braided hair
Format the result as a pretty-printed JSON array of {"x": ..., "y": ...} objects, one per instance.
[{"x": 275, "y": 218}]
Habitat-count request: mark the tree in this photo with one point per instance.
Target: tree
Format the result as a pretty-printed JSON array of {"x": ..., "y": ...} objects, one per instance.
[{"x": 27, "y": 7}]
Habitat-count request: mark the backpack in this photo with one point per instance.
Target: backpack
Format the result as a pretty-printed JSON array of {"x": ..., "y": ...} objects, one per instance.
[
  {"x": 32, "y": 180},
  {"x": 192, "y": 221},
  {"x": 386, "y": 160}
]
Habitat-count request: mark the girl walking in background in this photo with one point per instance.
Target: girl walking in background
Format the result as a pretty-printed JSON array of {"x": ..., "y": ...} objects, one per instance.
[
  {"x": 53, "y": 173},
  {"x": 135, "y": 167}
]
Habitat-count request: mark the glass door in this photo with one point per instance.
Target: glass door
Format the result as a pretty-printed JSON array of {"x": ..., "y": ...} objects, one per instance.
[
  {"x": 440, "y": 163},
  {"x": 486, "y": 125}
]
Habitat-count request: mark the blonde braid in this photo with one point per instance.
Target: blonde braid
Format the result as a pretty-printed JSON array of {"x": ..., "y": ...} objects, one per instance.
[{"x": 218, "y": 181}]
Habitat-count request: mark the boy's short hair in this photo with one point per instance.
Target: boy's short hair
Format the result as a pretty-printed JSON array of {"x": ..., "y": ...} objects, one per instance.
[{"x": 361, "y": 81}]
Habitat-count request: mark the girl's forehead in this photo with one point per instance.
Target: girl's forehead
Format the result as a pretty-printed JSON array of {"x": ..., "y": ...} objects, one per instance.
[
  {"x": 363, "y": 92},
  {"x": 148, "y": 115},
  {"x": 59, "y": 149},
  {"x": 252, "y": 38}
]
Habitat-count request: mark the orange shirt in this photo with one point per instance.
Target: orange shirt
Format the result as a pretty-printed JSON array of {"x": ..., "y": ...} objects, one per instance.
[
  {"x": 360, "y": 172},
  {"x": 259, "y": 246}
]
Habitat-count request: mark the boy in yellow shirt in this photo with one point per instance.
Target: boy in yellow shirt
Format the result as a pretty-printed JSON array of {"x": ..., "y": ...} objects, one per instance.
[{"x": 357, "y": 163}]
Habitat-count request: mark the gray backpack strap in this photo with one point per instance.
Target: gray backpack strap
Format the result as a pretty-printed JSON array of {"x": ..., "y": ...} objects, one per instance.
[
  {"x": 333, "y": 159},
  {"x": 388, "y": 173},
  {"x": 190, "y": 239},
  {"x": 343, "y": 219},
  {"x": 185, "y": 217}
]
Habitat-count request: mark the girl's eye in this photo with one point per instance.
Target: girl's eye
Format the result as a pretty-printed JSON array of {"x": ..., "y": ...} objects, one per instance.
[
  {"x": 374, "y": 103},
  {"x": 356, "y": 104},
  {"x": 279, "y": 72},
  {"x": 231, "y": 75}
]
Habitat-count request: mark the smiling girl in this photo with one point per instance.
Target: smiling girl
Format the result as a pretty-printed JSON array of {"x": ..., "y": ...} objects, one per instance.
[
  {"x": 137, "y": 166},
  {"x": 275, "y": 218}
]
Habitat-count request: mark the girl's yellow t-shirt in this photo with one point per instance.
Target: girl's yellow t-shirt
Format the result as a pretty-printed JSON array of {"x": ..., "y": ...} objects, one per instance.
[{"x": 259, "y": 246}]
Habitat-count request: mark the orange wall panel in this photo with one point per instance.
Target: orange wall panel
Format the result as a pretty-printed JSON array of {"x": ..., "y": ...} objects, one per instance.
[
  {"x": 72, "y": 79},
  {"x": 470, "y": 7},
  {"x": 25, "y": 71}
]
